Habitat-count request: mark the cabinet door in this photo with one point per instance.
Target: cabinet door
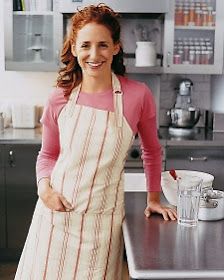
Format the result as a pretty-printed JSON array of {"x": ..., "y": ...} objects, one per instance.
[
  {"x": 21, "y": 191},
  {"x": 209, "y": 159},
  {"x": 193, "y": 37},
  {"x": 2, "y": 201},
  {"x": 32, "y": 39}
]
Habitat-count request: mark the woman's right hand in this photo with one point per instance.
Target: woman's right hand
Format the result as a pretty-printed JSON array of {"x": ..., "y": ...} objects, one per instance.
[{"x": 52, "y": 199}]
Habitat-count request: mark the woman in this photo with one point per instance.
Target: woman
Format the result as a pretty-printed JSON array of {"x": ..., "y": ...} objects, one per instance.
[{"x": 89, "y": 124}]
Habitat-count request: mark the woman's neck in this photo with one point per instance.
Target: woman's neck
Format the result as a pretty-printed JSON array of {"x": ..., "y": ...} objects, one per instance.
[{"x": 96, "y": 84}]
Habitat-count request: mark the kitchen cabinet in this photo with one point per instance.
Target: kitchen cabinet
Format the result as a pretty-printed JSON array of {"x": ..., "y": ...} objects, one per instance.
[
  {"x": 2, "y": 203},
  {"x": 32, "y": 38},
  {"x": 20, "y": 195},
  {"x": 193, "y": 37},
  {"x": 206, "y": 159}
]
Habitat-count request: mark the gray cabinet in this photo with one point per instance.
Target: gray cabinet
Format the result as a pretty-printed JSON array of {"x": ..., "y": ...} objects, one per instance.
[
  {"x": 194, "y": 46},
  {"x": 2, "y": 203},
  {"x": 206, "y": 159},
  {"x": 33, "y": 38},
  {"x": 20, "y": 195}
]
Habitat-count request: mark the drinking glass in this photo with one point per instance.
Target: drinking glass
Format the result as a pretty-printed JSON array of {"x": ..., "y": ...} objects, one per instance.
[{"x": 189, "y": 190}]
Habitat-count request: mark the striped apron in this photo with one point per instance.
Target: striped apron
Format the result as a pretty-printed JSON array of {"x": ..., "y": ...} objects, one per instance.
[{"x": 85, "y": 243}]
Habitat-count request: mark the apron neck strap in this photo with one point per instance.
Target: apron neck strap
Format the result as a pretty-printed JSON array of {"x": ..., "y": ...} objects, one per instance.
[{"x": 117, "y": 99}]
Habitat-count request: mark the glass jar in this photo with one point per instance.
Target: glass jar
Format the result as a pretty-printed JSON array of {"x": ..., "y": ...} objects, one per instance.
[
  {"x": 192, "y": 57},
  {"x": 210, "y": 16},
  {"x": 186, "y": 17},
  {"x": 198, "y": 17},
  {"x": 179, "y": 14},
  {"x": 177, "y": 59},
  {"x": 204, "y": 18},
  {"x": 191, "y": 15}
]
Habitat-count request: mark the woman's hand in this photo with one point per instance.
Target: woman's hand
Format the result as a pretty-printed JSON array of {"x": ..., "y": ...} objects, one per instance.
[
  {"x": 154, "y": 206},
  {"x": 52, "y": 199},
  {"x": 167, "y": 212}
]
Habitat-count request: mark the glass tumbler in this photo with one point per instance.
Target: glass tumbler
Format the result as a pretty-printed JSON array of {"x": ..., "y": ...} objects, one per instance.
[{"x": 189, "y": 191}]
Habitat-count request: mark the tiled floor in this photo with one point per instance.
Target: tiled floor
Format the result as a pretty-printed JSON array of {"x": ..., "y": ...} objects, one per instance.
[{"x": 7, "y": 271}]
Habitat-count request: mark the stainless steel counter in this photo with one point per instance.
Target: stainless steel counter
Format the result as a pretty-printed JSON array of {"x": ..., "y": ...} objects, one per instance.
[
  {"x": 202, "y": 138},
  {"x": 21, "y": 136},
  {"x": 157, "y": 249}
]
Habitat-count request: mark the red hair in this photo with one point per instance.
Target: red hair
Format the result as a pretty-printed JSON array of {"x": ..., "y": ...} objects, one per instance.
[{"x": 70, "y": 75}]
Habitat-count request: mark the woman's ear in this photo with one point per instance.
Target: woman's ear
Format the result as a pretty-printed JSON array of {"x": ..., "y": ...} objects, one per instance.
[
  {"x": 116, "y": 49},
  {"x": 73, "y": 50}
]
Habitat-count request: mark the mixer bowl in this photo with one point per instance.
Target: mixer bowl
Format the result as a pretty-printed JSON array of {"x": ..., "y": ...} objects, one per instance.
[{"x": 184, "y": 118}]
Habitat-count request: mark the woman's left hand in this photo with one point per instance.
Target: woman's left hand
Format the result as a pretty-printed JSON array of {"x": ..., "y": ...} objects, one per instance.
[{"x": 155, "y": 207}]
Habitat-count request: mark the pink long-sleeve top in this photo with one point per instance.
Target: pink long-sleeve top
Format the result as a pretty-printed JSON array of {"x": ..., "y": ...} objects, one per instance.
[{"x": 139, "y": 111}]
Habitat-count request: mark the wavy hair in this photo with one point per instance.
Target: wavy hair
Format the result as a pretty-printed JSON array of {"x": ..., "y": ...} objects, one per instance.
[{"x": 70, "y": 75}]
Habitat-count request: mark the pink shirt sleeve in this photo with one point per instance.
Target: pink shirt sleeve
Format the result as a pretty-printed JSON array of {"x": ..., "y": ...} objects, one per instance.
[
  {"x": 50, "y": 148},
  {"x": 140, "y": 112},
  {"x": 151, "y": 148}
]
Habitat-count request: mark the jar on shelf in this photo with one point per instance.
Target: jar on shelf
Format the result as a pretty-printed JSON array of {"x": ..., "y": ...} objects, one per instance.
[
  {"x": 204, "y": 57},
  {"x": 186, "y": 53},
  {"x": 192, "y": 56},
  {"x": 181, "y": 54},
  {"x": 191, "y": 15},
  {"x": 204, "y": 18},
  {"x": 177, "y": 59},
  {"x": 210, "y": 55},
  {"x": 214, "y": 17},
  {"x": 179, "y": 14},
  {"x": 185, "y": 17},
  {"x": 210, "y": 16},
  {"x": 197, "y": 57},
  {"x": 198, "y": 17}
]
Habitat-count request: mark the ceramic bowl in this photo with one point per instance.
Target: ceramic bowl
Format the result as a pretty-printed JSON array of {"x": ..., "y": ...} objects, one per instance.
[{"x": 169, "y": 185}]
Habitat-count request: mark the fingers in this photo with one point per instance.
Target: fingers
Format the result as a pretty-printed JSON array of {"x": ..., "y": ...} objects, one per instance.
[
  {"x": 147, "y": 213},
  {"x": 57, "y": 202},
  {"x": 67, "y": 205},
  {"x": 169, "y": 214}
]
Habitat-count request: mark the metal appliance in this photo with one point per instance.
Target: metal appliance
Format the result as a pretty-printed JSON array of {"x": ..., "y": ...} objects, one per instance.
[{"x": 184, "y": 115}]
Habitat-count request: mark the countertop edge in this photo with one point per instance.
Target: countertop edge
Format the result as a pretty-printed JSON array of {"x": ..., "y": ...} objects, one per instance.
[{"x": 164, "y": 274}]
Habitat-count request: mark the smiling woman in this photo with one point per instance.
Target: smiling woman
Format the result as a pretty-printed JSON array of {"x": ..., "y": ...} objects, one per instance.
[
  {"x": 89, "y": 124},
  {"x": 94, "y": 50},
  {"x": 94, "y": 31}
]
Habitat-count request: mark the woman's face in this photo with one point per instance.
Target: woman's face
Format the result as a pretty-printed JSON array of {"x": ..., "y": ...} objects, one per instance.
[{"x": 95, "y": 49}]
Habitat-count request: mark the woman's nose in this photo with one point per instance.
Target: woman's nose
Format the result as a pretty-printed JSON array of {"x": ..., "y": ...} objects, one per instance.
[{"x": 93, "y": 52}]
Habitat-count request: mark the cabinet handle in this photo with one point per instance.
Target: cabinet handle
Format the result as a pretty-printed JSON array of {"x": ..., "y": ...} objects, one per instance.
[
  {"x": 168, "y": 60},
  {"x": 197, "y": 158},
  {"x": 12, "y": 162}
]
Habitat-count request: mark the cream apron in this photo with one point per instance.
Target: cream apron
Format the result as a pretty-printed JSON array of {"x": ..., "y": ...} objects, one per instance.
[{"x": 84, "y": 244}]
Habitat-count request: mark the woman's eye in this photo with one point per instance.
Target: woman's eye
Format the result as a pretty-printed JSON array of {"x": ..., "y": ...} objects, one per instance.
[
  {"x": 84, "y": 46},
  {"x": 103, "y": 45}
]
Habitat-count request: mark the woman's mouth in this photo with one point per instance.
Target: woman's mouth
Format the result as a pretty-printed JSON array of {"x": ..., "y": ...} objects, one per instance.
[{"x": 95, "y": 64}]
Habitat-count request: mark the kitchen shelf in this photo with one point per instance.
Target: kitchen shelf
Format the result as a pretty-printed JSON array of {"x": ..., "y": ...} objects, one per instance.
[
  {"x": 188, "y": 27},
  {"x": 132, "y": 69},
  {"x": 33, "y": 13},
  {"x": 28, "y": 66}
]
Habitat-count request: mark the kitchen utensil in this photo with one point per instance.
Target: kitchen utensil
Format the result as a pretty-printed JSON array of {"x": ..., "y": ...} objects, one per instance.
[
  {"x": 211, "y": 206},
  {"x": 173, "y": 174},
  {"x": 184, "y": 118},
  {"x": 169, "y": 185}
]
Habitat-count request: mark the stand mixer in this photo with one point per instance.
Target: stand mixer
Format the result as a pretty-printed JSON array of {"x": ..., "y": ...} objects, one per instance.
[{"x": 184, "y": 115}]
